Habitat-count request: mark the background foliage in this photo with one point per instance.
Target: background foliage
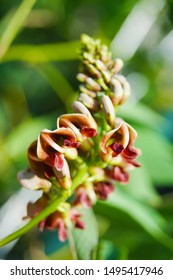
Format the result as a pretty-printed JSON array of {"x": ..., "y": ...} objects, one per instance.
[{"x": 39, "y": 62}]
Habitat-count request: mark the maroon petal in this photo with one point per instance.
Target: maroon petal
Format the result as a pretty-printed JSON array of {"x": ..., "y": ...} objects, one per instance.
[
  {"x": 117, "y": 148},
  {"x": 71, "y": 144},
  {"x": 118, "y": 174},
  {"x": 62, "y": 232},
  {"x": 79, "y": 224},
  {"x": 103, "y": 189},
  {"x": 130, "y": 153},
  {"x": 41, "y": 225},
  {"x": 88, "y": 131},
  {"x": 55, "y": 160}
]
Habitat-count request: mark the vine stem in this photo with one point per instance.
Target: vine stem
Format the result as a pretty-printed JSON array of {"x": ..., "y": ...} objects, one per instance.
[
  {"x": 15, "y": 25},
  {"x": 65, "y": 194}
]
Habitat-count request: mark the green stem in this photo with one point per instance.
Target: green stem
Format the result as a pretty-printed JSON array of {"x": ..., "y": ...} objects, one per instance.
[
  {"x": 78, "y": 179},
  {"x": 15, "y": 25}
]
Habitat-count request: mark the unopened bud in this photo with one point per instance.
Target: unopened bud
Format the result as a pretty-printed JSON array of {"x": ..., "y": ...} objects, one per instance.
[
  {"x": 89, "y": 102},
  {"x": 108, "y": 109},
  {"x": 87, "y": 91},
  {"x": 100, "y": 65},
  {"x": 93, "y": 70},
  {"x": 91, "y": 84},
  {"x": 81, "y": 77},
  {"x": 117, "y": 65},
  {"x": 106, "y": 76},
  {"x": 117, "y": 91},
  {"x": 79, "y": 107}
]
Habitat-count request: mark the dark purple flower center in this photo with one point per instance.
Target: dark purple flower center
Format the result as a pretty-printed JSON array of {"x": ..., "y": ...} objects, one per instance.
[{"x": 117, "y": 148}]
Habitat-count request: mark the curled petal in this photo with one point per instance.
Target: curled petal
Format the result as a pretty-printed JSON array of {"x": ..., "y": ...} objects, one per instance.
[
  {"x": 75, "y": 217},
  {"x": 63, "y": 175},
  {"x": 30, "y": 181},
  {"x": 119, "y": 174},
  {"x": 55, "y": 160},
  {"x": 103, "y": 189},
  {"x": 119, "y": 136},
  {"x": 76, "y": 122},
  {"x": 50, "y": 142}
]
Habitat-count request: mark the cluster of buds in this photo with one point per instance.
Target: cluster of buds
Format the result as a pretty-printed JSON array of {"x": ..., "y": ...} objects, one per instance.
[{"x": 92, "y": 135}]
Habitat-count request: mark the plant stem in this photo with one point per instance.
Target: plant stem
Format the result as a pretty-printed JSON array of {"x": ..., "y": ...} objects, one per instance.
[
  {"x": 78, "y": 179},
  {"x": 15, "y": 25}
]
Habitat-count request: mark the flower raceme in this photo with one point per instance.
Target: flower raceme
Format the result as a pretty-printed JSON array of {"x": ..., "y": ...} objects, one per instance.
[{"x": 93, "y": 136}]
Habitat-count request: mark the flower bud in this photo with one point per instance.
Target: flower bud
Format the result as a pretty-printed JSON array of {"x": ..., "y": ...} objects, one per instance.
[
  {"x": 108, "y": 109},
  {"x": 89, "y": 102}
]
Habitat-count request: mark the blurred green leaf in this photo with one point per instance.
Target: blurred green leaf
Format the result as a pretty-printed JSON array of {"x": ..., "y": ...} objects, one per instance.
[
  {"x": 43, "y": 53},
  {"x": 141, "y": 186},
  {"x": 148, "y": 218},
  {"x": 19, "y": 139},
  {"x": 157, "y": 155},
  {"x": 15, "y": 25},
  {"x": 85, "y": 241},
  {"x": 58, "y": 82},
  {"x": 143, "y": 115}
]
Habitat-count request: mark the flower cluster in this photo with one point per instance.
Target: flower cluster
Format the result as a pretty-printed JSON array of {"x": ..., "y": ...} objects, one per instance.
[{"x": 92, "y": 136}]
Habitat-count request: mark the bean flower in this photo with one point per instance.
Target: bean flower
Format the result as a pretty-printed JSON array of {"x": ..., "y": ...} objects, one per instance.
[{"x": 92, "y": 139}]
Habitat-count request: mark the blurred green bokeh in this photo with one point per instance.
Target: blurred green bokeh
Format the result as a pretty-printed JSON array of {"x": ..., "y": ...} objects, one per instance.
[{"x": 39, "y": 63}]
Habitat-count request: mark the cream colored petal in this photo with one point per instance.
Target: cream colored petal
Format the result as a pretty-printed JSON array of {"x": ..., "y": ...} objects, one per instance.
[
  {"x": 64, "y": 176},
  {"x": 30, "y": 181},
  {"x": 108, "y": 136},
  {"x": 108, "y": 109},
  {"x": 117, "y": 91}
]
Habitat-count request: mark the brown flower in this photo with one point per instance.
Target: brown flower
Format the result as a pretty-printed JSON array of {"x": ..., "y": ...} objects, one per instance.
[
  {"x": 58, "y": 167},
  {"x": 119, "y": 142}
]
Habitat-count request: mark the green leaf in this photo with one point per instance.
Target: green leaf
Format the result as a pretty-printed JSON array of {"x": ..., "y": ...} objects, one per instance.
[
  {"x": 15, "y": 25},
  {"x": 146, "y": 217},
  {"x": 156, "y": 155},
  {"x": 20, "y": 137},
  {"x": 85, "y": 241},
  {"x": 142, "y": 115},
  {"x": 43, "y": 53},
  {"x": 58, "y": 82},
  {"x": 141, "y": 187}
]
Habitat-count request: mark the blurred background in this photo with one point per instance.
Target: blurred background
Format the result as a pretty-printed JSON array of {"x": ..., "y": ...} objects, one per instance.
[{"x": 39, "y": 43}]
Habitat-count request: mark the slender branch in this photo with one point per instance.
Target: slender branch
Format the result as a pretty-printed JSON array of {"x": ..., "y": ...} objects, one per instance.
[
  {"x": 15, "y": 25},
  {"x": 78, "y": 179}
]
